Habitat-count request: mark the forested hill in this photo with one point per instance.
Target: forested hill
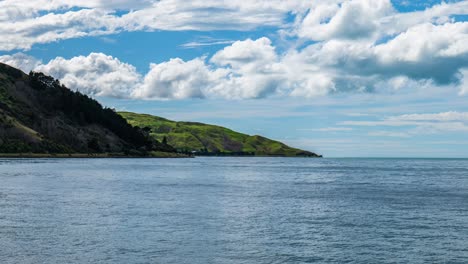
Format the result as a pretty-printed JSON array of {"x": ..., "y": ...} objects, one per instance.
[
  {"x": 39, "y": 115},
  {"x": 206, "y": 139}
]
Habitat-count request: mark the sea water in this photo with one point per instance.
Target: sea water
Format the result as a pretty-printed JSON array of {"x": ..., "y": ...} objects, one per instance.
[{"x": 233, "y": 210}]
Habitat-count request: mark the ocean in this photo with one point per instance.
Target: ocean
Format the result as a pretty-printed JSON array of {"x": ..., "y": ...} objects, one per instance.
[{"x": 233, "y": 210}]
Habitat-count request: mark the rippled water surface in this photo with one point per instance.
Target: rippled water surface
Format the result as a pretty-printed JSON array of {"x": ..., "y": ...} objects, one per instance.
[{"x": 233, "y": 210}]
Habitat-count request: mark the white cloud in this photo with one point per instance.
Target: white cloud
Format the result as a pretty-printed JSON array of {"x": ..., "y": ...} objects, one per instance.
[
  {"x": 365, "y": 45},
  {"x": 389, "y": 134},
  {"x": 21, "y": 61},
  {"x": 441, "y": 117},
  {"x": 211, "y": 42},
  {"x": 356, "y": 114},
  {"x": 390, "y": 123},
  {"x": 254, "y": 70},
  {"x": 244, "y": 75},
  {"x": 417, "y": 124},
  {"x": 176, "y": 79},
  {"x": 368, "y": 19},
  {"x": 222, "y": 14},
  {"x": 463, "y": 81},
  {"x": 353, "y": 19},
  {"x": 426, "y": 51},
  {"x": 327, "y": 129},
  {"x": 96, "y": 74},
  {"x": 249, "y": 52},
  {"x": 25, "y": 23},
  {"x": 361, "y": 45},
  {"x": 437, "y": 14},
  {"x": 23, "y": 33},
  {"x": 246, "y": 69},
  {"x": 424, "y": 55}
]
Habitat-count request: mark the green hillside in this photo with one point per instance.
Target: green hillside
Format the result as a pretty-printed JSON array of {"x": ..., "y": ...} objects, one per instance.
[
  {"x": 41, "y": 116},
  {"x": 209, "y": 139}
]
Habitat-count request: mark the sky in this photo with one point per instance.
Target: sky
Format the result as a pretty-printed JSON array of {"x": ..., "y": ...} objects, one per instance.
[{"x": 343, "y": 78}]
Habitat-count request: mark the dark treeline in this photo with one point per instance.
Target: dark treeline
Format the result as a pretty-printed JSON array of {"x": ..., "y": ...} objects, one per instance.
[
  {"x": 205, "y": 152},
  {"x": 83, "y": 110}
]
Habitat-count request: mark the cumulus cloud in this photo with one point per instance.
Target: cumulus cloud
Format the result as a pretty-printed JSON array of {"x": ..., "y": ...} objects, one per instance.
[
  {"x": 255, "y": 69},
  {"x": 21, "y": 61},
  {"x": 424, "y": 53},
  {"x": 357, "y": 46},
  {"x": 250, "y": 75},
  {"x": 27, "y": 23},
  {"x": 246, "y": 69},
  {"x": 349, "y": 19},
  {"x": 368, "y": 19},
  {"x": 427, "y": 51},
  {"x": 176, "y": 79},
  {"x": 96, "y": 74},
  {"x": 364, "y": 45},
  {"x": 438, "y": 14}
]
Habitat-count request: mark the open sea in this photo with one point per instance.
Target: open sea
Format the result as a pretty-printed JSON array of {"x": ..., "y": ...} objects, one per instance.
[{"x": 233, "y": 210}]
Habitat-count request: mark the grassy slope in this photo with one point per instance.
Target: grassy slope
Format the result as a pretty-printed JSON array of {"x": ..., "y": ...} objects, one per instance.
[
  {"x": 189, "y": 136},
  {"x": 40, "y": 116},
  {"x": 8, "y": 122}
]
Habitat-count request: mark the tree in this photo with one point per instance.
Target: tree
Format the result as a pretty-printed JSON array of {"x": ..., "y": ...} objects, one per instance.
[{"x": 93, "y": 144}]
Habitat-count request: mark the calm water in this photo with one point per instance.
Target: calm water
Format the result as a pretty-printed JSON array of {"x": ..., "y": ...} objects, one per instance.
[{"x": 234, "y": 210}]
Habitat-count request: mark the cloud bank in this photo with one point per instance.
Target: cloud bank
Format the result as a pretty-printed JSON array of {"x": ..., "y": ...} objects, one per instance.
[{"x": 352, "y": 46}]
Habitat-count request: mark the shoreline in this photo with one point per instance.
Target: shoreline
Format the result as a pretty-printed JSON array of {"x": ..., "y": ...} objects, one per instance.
[
  {"x": 158, "y": 155},
  {"x": 154, "y": 155}
]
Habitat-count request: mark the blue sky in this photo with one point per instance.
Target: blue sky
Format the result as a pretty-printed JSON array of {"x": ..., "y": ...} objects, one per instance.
[{"x": 344, "y": 78}]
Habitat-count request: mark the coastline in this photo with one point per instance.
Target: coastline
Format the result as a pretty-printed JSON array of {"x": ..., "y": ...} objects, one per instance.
[{"x": 153, "y": 155}]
